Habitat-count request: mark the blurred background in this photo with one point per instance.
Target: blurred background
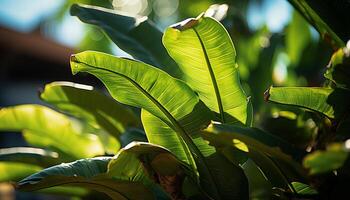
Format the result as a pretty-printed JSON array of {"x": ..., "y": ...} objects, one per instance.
[{"x": 274, "y": 44}]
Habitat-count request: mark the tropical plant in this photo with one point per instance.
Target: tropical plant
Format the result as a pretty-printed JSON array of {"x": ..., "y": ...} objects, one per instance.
[{"x": 195, "y": 138}]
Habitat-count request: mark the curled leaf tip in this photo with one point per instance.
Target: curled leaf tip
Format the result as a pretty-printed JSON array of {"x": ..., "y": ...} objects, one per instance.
[
  {"x": 267, "y": 94},
  {"x": 186, "y": 24}
]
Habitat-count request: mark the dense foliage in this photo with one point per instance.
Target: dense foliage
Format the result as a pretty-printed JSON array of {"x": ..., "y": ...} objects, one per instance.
[{"x": 193, "y": 135}]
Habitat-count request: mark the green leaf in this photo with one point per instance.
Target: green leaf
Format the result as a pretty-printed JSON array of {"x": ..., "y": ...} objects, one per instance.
[
  {"x": 306, "y": 9},
  {"x": 16, "y": 171},
  {"x": 128, "y": 175},
  {"x": 303, "y": 189},
  {"x": 51, "y": 129},
  {"x": 206, "y": 55},
  {"x": 133, "y": 134},
  {"x": 88, "y": 173},
  {"x": 28, "y": 155},
  {"x": 322, "y": 161},
  {"x": 96, "y": 108},
  {"x": 129, "y": 33},
  {"x": 226, "y": 135},
  {"x": 328, "y": 101},
  {"x": 339, "y": 68},
  {"x": 259, "y": 187},
  {"x": 158, "y": 94}
]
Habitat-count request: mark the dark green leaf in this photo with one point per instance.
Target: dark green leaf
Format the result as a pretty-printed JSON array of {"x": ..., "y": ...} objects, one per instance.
[
  {"x": 322, "y": 161},
  {"x": 136, "y": 35},
  {"x": 339, "y": 68}
]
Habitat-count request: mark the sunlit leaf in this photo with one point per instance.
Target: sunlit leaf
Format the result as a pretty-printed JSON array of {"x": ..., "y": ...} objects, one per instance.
[
  {"x": 84, "y": 102},
  {"x": 51, "y": 129},
  {"x": 16, "y": 171},
  {"x": 328, "y": 101},
  {"x": 159, "y": 96},
  {"x": 206, "y": 55}
]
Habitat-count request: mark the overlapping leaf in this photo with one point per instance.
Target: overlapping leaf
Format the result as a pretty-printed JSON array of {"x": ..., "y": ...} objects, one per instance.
[
  {"x": 44, "y": 127},
  {"x": 206, "y": 55},
  {"x": 129, "y": 33},
  {"x": 128, "y": 175},
  {"x": 172, "y": 104}
]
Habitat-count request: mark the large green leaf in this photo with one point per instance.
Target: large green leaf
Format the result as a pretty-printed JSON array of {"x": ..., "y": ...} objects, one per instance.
[
  {"x": 51, "y": 129},
  {"x": 136, "y": 35},
  {"x": 96, "y": 108},
  {"x": 28, "y": 155},
  {"x": 206, "y": 55},
  {"x": 138, "y": 84},
  {"x": 330, "y": 102},
  {"x": 132, "y": 174},
  {"x": 89, "y": 173}
]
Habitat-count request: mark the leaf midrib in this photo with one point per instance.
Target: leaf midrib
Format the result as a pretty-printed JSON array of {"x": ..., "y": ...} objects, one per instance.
[
  {"x": 212, "y": 76},
  {"x": 177, "y": 126}
]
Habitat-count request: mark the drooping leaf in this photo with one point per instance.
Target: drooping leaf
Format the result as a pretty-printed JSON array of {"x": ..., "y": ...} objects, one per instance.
[
  {"x": 88, "y": 173},
  {"x": 83, "y": 102},
  {"x": 205, "y": 53},
  {"x": 159, "y": 95},
  {"x": 322, "y": 161},
  {"x": 307, "y": 9},
  {"x": 136, "y": 35},
  {"x": 225, "y": 135},
  {"x": 132, "y": 174},
  {"x": 28, "y": 155},
  {"x": 330, "y": 102},
  {"x": 51, "y": 129}
]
